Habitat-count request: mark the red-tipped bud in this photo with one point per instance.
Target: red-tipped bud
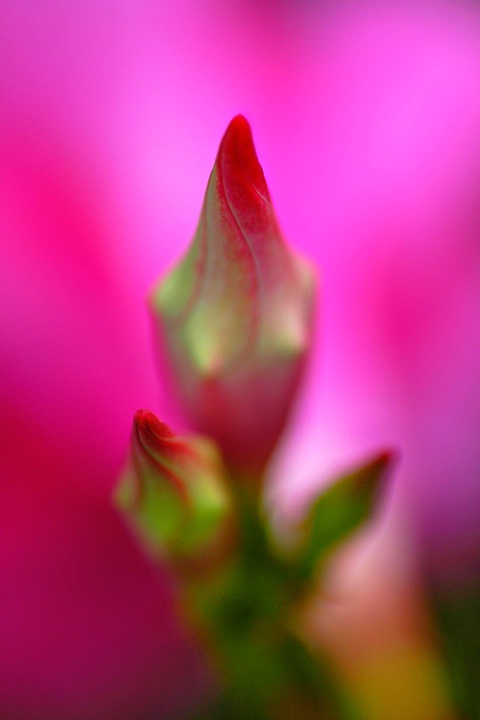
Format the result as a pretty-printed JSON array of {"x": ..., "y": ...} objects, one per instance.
[
  {"x": 173, "y": 488},
  {"x": 234, "y": 318}
]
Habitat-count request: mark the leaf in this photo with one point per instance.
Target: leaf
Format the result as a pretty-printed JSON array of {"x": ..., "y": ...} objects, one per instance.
[
  {"x": 457, "y": 614},
  {"x": 341, "y": 510}
]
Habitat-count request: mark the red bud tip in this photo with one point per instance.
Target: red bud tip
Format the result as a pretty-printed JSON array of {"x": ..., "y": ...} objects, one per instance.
[
  {"x": 149, "y": 428},
  {"x": 240, "y": 173},
  {"x": 153, "y": 443}
]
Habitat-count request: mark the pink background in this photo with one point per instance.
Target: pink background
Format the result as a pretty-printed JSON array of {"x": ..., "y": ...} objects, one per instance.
[{"x": 366, "y": 120}]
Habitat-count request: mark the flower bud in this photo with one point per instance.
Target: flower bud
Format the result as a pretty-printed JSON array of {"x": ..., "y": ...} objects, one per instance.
[
  {"x": 234, "y": 318},
  {"x": 174, "y": 489}
]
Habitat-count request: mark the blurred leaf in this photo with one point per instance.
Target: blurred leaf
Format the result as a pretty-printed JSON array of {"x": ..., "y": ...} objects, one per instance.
[
  {"x": 341, "y": 510},
  {"x": 458, "y": 620}
]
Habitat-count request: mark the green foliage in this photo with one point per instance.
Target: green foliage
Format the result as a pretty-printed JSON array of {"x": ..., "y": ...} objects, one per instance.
[
  {"x": 340, "y": 511},
  {"x": 249, "y": 610},
  {"x": 457, "y": 612},
  {"x": 244, "y": 600}
]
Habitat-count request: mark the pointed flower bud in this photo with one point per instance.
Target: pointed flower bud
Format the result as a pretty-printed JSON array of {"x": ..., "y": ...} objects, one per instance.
[
  {"x": 174, "y": 489},
  {"x": 234, "y": 318}
]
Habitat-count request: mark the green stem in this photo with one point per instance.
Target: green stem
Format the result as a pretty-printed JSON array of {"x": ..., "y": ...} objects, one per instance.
[{"x": 266, "y": 673}]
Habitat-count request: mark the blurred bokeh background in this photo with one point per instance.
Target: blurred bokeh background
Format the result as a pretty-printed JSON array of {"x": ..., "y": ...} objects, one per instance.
[{"x": 366, "y": 119}]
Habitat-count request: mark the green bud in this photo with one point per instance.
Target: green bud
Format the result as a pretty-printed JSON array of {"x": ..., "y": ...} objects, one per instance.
[{"x": 173, "y": 489}]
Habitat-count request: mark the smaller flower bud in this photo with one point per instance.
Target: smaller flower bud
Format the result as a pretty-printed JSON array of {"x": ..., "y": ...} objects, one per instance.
[
  {"x": 234, "y": 318},
  {"x": 174, "y": 490}
]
